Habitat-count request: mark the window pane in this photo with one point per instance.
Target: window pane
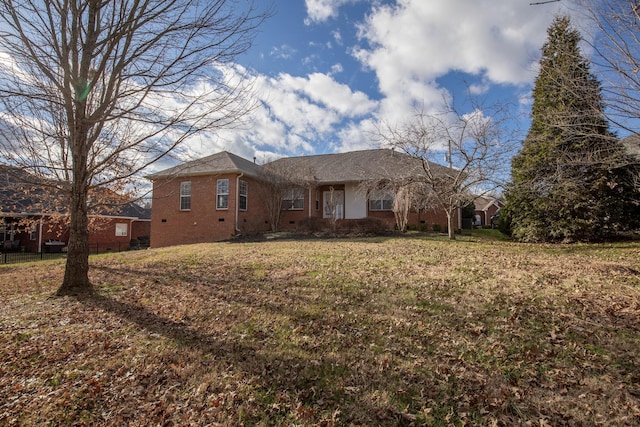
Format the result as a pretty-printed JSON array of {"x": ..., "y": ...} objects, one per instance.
[
  {"x": 185, "y": 196},
  {"x": 185, "y": 203},
  {"x": 222, "y": 196},
  {"x": 223, "y": 186},
  {"x": 223, "y": 201},
  {"x": 244, "y": 187},
  {"x": 293, "y": 198},
  {"x": 381, "y": 200},
  {"x": 185, "y": 188},
  {"x": 121, "y": 229}
]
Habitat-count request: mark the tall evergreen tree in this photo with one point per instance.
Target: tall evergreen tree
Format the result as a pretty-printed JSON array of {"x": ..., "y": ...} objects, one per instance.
[{"x": 569, "y": 181}]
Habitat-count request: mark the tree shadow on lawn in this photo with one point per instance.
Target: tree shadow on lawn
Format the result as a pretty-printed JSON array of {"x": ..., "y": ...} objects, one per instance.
[
  {"x": 297, "y": 375},
  {"x": 318, "y": 377}
]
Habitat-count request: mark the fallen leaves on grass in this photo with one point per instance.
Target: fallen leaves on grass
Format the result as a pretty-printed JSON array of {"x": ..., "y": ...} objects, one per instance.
[{"x": 400, "y": 332}]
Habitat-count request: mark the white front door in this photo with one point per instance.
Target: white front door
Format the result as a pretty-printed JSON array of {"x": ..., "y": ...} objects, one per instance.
[{"x": 337, "y": 203}]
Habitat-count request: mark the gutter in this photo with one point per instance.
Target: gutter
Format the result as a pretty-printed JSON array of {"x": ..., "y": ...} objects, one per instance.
[{"x": 238, "y": 200}]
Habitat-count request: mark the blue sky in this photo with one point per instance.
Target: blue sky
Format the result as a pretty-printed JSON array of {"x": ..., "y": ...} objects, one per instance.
[{"x": 326, "y": 70}]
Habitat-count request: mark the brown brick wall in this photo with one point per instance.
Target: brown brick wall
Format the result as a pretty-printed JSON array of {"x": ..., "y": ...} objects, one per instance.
[
  {"x": 291, "y": 219},
  {"x": 103, "y": 231},
  {"x": 203, "y": 222},
  {"x": 256, "y": 218},
  {"x": 430, "y": 217},
  {"x": 140, "y": 228}
]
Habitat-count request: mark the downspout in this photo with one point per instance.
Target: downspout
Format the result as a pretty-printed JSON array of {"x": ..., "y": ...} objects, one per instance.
[
  {"x": 238, "y": 201},
  {"x": 40, "y": 235},
  {"x": 309, "y": 202}
]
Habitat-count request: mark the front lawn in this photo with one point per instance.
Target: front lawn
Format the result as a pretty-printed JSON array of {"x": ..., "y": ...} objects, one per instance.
[{"x": 382, "y": 331}]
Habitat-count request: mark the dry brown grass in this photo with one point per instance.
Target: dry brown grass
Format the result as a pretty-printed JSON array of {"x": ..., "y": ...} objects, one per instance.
[{"x": 397, "y": 331}]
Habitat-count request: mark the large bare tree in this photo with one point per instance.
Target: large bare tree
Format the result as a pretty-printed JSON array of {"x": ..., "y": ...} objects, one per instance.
[
  {"x": 613, "y": 33},
  {"x": 279, "y": 181},
  {"x": 93, "y": 91},
  {"x": 475, "y": 147}
]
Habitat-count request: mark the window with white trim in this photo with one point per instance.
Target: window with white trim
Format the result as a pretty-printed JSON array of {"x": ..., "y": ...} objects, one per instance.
[
  {"x": 243, "y": 193},
  {"x": 293, "y": 199},
  {"x": 380, "y": 200},
  {"x": 185, "y": 195},
  {"x": 222, "y": 194},
  {"x": 122, "y": 229}
]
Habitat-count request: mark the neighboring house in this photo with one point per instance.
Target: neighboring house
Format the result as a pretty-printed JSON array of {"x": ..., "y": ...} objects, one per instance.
[
  {"x": 485, "y": 208},
  {"x": 222, "y": 195},
  {"x": 632, "y": 144},
  {"x": 33, "y": 219}
]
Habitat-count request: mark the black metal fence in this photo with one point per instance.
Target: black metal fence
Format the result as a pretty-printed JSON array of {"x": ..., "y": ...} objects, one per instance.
[
  {"x": 10, "y": 257},
  {"x": 15, "y": 257}
]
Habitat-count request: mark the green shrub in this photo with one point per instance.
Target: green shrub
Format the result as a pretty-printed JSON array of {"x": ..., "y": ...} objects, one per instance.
[
  {"x": 366, "y": 226},
  {"x": 312, "y": 225},
  {"x": 134, "y": 243}
]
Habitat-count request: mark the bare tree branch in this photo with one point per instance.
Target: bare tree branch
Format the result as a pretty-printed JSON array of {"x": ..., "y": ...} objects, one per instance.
[
  {"x": 94, "y": 91},
  {"x": 475, "y": 145}
]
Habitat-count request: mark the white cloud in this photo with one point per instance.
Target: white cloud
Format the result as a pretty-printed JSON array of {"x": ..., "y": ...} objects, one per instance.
[
  {"x": 496, "y": 38},
  {"x": 296, "y": 115},
  {"x": 479, "y": 88},
  {"x": 322, "y": 10},
  {"x": 337, "y": 36},
  {"x": 336, "y": 68},
  {"x": 334, "y": 96},
  {"x": 310, "y": 59},
  {"x": 412, "y": 43},
  {"x": 283, "y": 52},
  {"x": 356, "y": 136}
]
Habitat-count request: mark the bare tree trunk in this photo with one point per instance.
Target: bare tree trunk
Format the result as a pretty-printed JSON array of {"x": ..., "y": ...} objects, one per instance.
[
  {"x": 84, "y": 91},
  {"x": 76, "y": 274},
  {"x": 451, "y": 229},
  {"x": 401, "y": 204}
]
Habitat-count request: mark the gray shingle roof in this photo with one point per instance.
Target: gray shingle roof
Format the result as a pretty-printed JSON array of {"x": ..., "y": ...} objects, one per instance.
[
  {"x": 356, "y": 166},
  {"x": 23, "y": 193},
  {"x": 483, "y": 203},
  {"x": 216, "y": 164}
]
